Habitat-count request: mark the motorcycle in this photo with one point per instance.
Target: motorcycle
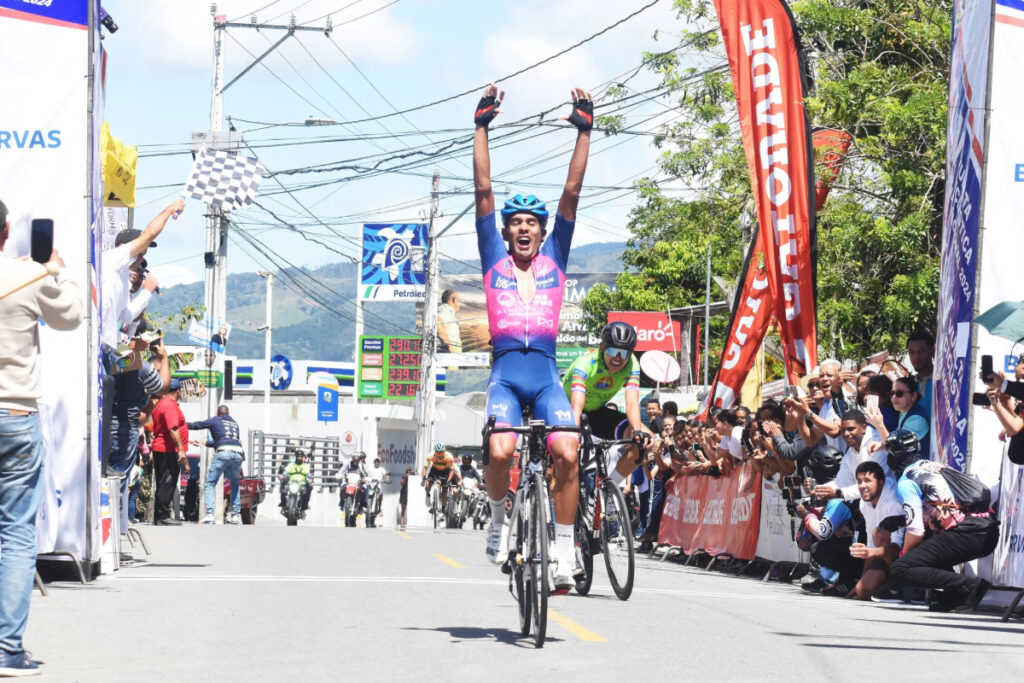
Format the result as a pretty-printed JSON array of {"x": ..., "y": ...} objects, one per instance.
[
  {"x": 293, "y": 511},
  {"x": 353, "y": 502},
  {"x": 374, "y": 495},
  {"x": 480, "y": 509},
  {"x": 464, "y": 501}
]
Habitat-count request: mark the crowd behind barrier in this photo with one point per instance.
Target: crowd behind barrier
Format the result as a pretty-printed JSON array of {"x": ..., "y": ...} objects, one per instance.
[{"x": 834, "y": 479}]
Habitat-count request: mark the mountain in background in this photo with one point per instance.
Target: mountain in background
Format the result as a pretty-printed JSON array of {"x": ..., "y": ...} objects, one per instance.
[{"x": 304, "y": 329}]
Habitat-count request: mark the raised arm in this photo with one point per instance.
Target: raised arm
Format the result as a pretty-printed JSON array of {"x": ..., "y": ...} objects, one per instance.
[
  {"x": 583, "y": 118},
  {"x": 486, "y": 110}
]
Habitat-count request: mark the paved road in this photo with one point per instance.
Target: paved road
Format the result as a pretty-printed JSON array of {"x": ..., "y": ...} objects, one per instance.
[{"x": 269, "y": 602}]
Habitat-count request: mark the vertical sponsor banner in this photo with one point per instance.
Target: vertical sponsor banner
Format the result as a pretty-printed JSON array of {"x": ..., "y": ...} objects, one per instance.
[
  {"x": 718, "y": 514},
  {"x": 965, "y": 144},
  {"x": 751, "y": 315},
  {"x": 44, "y": 173},
  {"x": 999, "y": 276},
  {"x": 768, "y": 75},
  {"x": 393, "y": 267}
]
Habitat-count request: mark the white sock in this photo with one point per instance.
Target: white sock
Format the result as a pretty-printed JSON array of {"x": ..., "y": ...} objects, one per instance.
[
  {"x": 616, "y": 477},
  {"x": 497, "y": 511},
  {"x": 564, "y": 538}
]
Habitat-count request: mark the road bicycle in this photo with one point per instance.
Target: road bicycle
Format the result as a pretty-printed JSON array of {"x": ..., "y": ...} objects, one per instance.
[
  {"x": 603, "y": 522},
  {"x": 437, "y": 511},
  {"x": 531, "y": 526}
]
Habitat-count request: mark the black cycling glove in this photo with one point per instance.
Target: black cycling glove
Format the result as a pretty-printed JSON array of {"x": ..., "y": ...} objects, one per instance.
[
  {"x": 486, "y": 110},
  {"x": 582, "y": 115}
]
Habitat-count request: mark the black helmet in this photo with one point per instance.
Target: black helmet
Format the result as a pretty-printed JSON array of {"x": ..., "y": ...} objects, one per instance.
[
  {"x": 823, "y": 463},
  {"x": 299, "y": 453},
  {"x": 619, "y": 335},
  {"x": 467, "y": 458},
  {"x": 902, "y": 448}
]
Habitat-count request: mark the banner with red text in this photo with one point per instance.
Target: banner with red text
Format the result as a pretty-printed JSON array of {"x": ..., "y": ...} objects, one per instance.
[
  {"x": 769, "y": 78},
  {"x": 751, "y": 315},
  {"x": 830, "y": 146},
  {"x": 654, "y": 331},
  {"x": 718, "y": 514}
]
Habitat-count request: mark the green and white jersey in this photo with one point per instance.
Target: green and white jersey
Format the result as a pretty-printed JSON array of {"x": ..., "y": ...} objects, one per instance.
[{"x": 588, "y": 374}]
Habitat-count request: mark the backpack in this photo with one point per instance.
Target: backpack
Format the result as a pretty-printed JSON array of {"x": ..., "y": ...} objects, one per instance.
[{"x": 969, "y": 493}]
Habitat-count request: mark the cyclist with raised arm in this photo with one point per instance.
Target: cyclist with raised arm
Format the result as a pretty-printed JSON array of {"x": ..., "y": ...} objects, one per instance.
[
  {"x": 524, "y": 279},
  {"x": 595, "y": 377}
]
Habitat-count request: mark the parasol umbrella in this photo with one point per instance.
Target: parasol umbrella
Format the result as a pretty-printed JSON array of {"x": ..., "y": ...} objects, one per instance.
[{"x": 1004, "y": 320}]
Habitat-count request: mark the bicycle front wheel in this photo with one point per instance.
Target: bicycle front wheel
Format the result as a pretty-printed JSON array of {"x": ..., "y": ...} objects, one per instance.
[
  {"x": 617, "y": 539},
  {"x": 538, "y": 570},
  {"x": 517, "y": 544},
  {"x": 435, "y": 503}
]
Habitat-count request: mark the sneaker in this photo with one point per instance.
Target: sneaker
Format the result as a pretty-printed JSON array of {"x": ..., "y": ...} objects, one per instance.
[
  {"x": 495, "y": 540},
  {"x": 561, "y": 578},
  {"x": 15, "y": 664},
  {"x": 813, "y": 586},
  {"x": 974, "y": 590},
  {"x": 236, "y": 519},
  {"x": 208, "y": 519},
  {"x": 836, "y": 590}
]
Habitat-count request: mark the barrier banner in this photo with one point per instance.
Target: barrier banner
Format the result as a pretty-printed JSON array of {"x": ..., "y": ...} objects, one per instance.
[
  {"x": 769, "y": 78},
  {"x": 45, "y": 156},
  {"x": 718, "y": 514},
  {"x": 776, "y": 529},
  {"x": 832, "y": 145},
  {"x": 965, "y": 143},
  {"x": 751, "y": 315}
]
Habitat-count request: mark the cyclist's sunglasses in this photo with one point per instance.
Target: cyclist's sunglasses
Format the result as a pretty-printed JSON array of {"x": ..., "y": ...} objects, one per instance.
[{"x": 617, "y": 353}]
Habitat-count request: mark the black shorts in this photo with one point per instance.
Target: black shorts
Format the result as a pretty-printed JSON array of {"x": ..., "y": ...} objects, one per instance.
[
  {"x": 606, "y": 423},
  {"x": 435, "y": 473}
]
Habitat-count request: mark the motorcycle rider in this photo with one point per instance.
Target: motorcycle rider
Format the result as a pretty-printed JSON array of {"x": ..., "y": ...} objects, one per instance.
[
  {"x": 377, "y": 472},
  {"x": 355, "y": 466},
  {"x": 467, "y": 469},
  {"x": 297, "y": 471}
]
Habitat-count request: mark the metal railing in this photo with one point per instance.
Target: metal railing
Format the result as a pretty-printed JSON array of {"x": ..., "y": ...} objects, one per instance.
[{"x": 269, "y": 455}]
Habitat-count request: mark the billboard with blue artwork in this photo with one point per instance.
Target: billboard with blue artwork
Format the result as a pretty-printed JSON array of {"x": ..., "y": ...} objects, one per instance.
[{"x": 393, "y": 264}]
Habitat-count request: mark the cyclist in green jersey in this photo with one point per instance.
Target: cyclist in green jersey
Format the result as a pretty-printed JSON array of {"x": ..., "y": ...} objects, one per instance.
[{"x": 595, "y": 377}]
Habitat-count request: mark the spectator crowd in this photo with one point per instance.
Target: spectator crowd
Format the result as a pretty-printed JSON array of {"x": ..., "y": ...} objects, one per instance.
[{"x": 850, "y": 448}]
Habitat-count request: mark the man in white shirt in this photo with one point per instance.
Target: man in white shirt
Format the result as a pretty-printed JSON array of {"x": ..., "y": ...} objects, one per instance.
[
  {"x": 883, "y": 519},
  {"x": 447, "y": 325},
  {"x": 377, "y": 472},
  {"x": 857, "y": 440},
  {"x": 729, "y": 428},
  {"x": 129, "y": 247}
]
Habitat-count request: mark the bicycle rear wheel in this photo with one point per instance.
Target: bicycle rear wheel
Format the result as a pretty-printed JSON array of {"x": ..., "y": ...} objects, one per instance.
[
  {"x": 617, "y": 539},
  {"x": 582, "y": 540},
  {"x": 538, "y": 572}
]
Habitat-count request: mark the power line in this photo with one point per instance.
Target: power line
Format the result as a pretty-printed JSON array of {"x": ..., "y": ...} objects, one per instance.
[{"x": 260, "y": 9}]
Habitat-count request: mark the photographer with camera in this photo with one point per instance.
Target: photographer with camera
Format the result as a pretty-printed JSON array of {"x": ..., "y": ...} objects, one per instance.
[
  {"x": 827, "y": 527},
  {"x": 948, "y": 522},
  {"x": 1008, "y": 406},
  {"x": 658, "y": 462},
  {"x": 861, "y": 446},
  {"x": 764, "y": 456}
]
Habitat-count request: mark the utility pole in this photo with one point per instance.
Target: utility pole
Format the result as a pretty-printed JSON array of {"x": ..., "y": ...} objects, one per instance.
[
  {"x": 707, "y": 319},
  {"x": 216, "y": 257},
  {"x": 268, "y": 328},
  {"x": 428, "y": 382}
]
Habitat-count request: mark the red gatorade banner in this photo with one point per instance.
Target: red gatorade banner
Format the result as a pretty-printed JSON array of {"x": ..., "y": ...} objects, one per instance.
[
  {"x": 718, "y": 514},
  {"x": 830, "y": 146},
  {"x": 751, "y": 315},
  {"x": 767, "y": 68}
]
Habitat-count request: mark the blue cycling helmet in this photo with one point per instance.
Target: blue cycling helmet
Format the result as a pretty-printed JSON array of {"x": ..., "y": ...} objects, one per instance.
[{"x": 527, "y": 204}]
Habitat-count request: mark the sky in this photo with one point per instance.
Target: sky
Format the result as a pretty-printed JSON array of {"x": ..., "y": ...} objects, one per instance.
[{"x": 381, "y": 56}]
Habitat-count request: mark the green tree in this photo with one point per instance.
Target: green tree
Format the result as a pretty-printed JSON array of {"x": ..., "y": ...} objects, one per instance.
[{"x": 880, "y": 68}]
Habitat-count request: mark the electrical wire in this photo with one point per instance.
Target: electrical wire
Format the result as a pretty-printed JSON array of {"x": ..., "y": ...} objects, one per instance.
[{"x": 252, "y": 13}]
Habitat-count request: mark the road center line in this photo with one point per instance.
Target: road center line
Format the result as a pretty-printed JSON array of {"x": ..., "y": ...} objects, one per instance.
[
  {"x": 404, "y": 535},
  {"x": 581, "y": 632},
  {"x": 449, "y": 561}
]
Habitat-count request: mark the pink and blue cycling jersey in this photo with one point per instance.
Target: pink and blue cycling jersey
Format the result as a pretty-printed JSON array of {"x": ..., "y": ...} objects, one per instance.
[
  {"x": 523, "y": 333},
  {"x": 516, "y": 324}
]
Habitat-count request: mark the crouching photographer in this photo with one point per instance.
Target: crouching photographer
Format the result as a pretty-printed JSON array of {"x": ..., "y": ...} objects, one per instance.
[
  {"x": 828, "y": 527},
  {"x": 948, "y": 522}
]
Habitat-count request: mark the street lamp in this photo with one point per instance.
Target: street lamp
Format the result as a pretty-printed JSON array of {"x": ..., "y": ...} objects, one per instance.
[{"x": 268, "y": 329}]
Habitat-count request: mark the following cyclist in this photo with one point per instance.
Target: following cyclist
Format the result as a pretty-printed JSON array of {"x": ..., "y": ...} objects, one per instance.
[
  {"x": 595, "y": 377},
  {"x": 524, "y": 281},
  {"x": 442, "y": 468},
  {"x": 298, "y": 471}
]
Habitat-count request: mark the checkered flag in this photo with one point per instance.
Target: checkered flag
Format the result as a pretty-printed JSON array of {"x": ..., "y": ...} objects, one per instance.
[{"x": 226, "y": 180}]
